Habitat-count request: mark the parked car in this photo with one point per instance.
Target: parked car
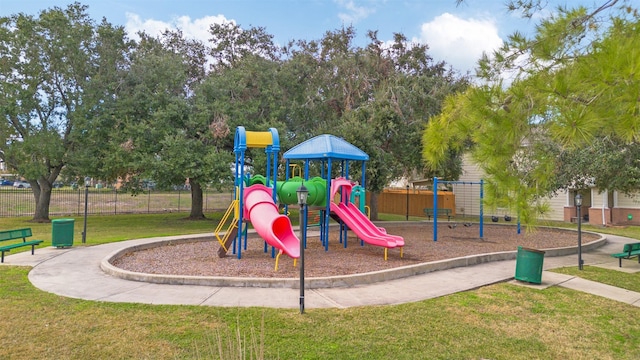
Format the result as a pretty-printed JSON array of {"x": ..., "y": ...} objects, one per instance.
[
  {"x": 5, "y": 182},
  {"x": 21, "y": 184},
  {"x": 57, "y": 184},
  {"x": 148, "y": 184}
]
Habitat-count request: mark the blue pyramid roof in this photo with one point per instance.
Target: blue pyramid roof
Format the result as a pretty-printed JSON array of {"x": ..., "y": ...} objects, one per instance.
[{"x": 325, "y": 147}]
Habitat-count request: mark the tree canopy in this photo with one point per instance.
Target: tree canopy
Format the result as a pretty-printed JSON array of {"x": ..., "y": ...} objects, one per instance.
[
  {"x": 378, "y": 98},
  {"x": 83, "y": 98},
  {"x": 55, "y": 72},
  {"x": 572, "y": 93}
]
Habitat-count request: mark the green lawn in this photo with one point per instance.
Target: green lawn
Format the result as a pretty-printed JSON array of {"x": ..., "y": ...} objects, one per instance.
[
  {"x": 501, "y": 321},
  {"x": 614, "y": 278},
  {"x": 111, "y": 228}
]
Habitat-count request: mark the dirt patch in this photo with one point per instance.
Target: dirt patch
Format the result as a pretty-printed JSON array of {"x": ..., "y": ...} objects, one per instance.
[{"x": 200, "y": 258}]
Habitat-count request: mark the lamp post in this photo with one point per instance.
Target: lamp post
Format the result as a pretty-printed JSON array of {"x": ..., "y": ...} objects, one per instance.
[
  {"x": 407, "y": 202},
  {"x": 86, "y": 205},
  {"x": 578, "y": 202},
  {"x": 302, "y": 193}
]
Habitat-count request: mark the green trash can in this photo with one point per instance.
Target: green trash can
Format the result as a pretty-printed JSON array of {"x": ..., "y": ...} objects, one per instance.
[
  {"x": 62, "y": 232},
  {"x": 529, "y": 265}
]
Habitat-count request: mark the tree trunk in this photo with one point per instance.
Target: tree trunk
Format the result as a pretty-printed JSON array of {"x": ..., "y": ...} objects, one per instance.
[
  {"x": 42, "y": 195},
  {"x": 373, "y": 205},
  {"x": 197, "y": 203}
]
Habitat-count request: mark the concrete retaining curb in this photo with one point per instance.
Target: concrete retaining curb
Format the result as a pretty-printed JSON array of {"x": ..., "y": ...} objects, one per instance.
[{"x": 313, "y": 282}]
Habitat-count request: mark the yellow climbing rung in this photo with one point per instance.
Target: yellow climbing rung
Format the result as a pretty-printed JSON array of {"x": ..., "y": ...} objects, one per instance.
[{"x": 232, "y": 213}]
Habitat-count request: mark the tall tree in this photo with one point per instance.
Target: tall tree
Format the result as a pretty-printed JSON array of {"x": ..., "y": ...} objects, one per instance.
[
  {"x": 230, "y": 43},
  {"x": 156, "y": 133},
  {"x": 575, "y": 82},
  {"x": 55, "y": 71},
  {"x": 606, "y": 163},
  {"x": 244, "y": 87},
  {"x": 378, "y": 98}
]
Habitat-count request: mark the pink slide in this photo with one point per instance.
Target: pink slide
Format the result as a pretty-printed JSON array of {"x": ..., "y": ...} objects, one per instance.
[
  {"x": 357, "y": 221},
  {"x": 272, "y": 226}
]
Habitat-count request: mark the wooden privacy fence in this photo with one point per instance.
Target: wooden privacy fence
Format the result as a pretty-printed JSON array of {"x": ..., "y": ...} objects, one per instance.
[{"x": 394, "y": 201}]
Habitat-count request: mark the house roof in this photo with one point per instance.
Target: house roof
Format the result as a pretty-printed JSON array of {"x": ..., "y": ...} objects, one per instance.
[{"x": 325, "y": 147}]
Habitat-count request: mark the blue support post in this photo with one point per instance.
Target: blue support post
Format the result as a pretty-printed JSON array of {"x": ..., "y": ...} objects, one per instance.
[
  {"x": 435, "y": 209},
  {"x": 346, "y": 168},
  {"x": 241, "y": 205},
  {"x": 481, "y": 208},
  {"x": 305, "y": 176},
  {"x": 325, "y": 241}
]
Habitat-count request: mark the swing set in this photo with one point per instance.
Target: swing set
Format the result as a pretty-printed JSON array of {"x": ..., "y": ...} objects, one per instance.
[
  {"x": 436, "y": 181},
  {"x": 507, "y": 216},
  {"x": 465, "y": 195}
]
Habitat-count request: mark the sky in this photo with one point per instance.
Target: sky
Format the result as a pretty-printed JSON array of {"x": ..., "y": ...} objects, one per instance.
[{"x": 456, "y": 34}]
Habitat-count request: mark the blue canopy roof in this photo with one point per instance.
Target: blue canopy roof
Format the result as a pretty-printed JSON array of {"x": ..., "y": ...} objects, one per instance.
[{"x": 325, "y": 147}]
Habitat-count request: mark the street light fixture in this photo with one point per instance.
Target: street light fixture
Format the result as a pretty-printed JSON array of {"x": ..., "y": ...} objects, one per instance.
[
  {"x": 578, "y": 202},
  {"x": 86, "y": 205},
  {"x": 302, "y": 193},
  {"x": 407, "y": 202}
]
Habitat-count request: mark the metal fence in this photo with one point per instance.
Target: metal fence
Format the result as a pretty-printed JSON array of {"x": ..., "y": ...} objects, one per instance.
[{"x": 71, "y": 202}]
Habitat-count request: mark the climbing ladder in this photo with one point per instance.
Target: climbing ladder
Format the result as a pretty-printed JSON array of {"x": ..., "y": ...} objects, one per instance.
[{"x": 231, "y": 224}]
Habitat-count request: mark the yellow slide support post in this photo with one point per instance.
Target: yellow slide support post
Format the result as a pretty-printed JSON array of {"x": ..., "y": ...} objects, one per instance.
[{"x": 277, "y": 259}]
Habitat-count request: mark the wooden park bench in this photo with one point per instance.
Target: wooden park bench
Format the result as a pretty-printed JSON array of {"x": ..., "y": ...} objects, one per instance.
[
  {"x": 22, "y": 234},
  {"x": 628, "y": 251},
  {"x": 441, "y": 212}
]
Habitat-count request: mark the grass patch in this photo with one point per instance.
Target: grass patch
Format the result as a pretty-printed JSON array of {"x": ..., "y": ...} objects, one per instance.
[
  {"x": 112, "y": 228},
  {"x": 395, "y": 217},
  {"x": 626, "y": 231},
  {"x": 501, "y": 321},
  {"x": 605, "y": 276}
]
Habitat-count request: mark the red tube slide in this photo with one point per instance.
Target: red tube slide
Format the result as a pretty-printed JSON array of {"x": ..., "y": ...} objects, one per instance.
[{"x": 273, "y": 227}]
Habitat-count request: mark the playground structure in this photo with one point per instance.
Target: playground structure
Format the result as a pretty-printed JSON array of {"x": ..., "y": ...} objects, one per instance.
[
  {"x": 333, "y": 155},
  {"x": 258, "y": 203},
  {"x": 256, "y": 197}
]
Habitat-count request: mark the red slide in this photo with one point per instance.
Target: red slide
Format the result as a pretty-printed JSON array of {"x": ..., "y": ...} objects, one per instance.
[
  {"x": 357, "y": 221},
  {"x": 273, "y": 227}
]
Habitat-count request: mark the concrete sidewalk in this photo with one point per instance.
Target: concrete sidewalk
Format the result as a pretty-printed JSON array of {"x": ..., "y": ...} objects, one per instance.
[{"x": 77, "y": 273}]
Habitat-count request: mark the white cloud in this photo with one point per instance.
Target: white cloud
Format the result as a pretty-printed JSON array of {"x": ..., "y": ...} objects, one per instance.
[
  {"x": 354, "y": 13},
  {"x": 460, "y": 42},
  {"x": 192, "y": 29}
]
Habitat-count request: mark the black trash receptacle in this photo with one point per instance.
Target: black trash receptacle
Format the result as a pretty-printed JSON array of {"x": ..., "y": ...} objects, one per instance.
[
  {"x": 529, "y": 265},
  {"x": 62, "y": 232}
]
